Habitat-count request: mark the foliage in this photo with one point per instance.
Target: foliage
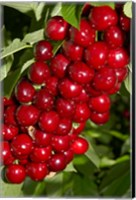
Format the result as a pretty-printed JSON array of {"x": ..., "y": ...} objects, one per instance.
[{"x": 105, "y": 169}]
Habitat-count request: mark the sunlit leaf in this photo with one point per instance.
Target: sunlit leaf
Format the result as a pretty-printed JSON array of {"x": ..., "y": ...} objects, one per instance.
[{"x": 127, "y": 9}]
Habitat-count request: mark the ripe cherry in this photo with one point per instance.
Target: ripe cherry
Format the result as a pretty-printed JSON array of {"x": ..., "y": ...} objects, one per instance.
[
  {"x": 69, "y": 155},
  {"x": 102, "y": 17},
  {"x": 41, "y": 154},
  {"x": 60, "y": 143},
  {"x": 42, "y": 139},
  {"x": 82, "y": 112},
  {"x": 82, "y": 98},
  {"x": 78, "y": 128},
  {"x": 8, "y": 101},
  {"x": 124, "y": 22},
  {"x": 43, "y": 51},
  {"x": 80, "y": 146},
  {"x": 15, "y": 173},
  {"x": 5, "y": 151},
  {"x": 64, "y": 126},
  {"x": 9, "y": 131},
  {"x": 99, "y": 118},
  {"x": 49, "y": 121},
  {"x": 121, "y": 73},
  {"x": 80, "y": 73},
  {"x": 9, "y": 115},
  {"x": 57, "y": 162},
  {"x": 52, "y": 85},
  {"x": 56, "y": 28}
]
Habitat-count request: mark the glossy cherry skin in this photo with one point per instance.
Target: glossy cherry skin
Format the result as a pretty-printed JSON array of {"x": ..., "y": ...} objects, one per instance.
[
  {"x": 15, "y": 173},
  {"x": 65, "y": 108},
  {"x": 96, "y": 54},
  {"x": 91, "y": 91},
  {"x": 8, "y": 102},
  {"x": 69, "y": 155},
  {"x": 42, "y": 139},
  {"x": 38, "y": 72},
  {"x": 78, "y": 128},
  {"x": 24, "y": 91},
  {"x": 72, "y": 51},
  {"x": 49, "y": 121},
  {"x": 10, "y": 160},
  {"x": 99, "y": 118},
  {"x": 82, "y": 112},
  {"x": 27, "y": 115},
  {"x": 114, "y": 37},
  {"x": 22, "y": 145},
  {"x": 82, "y": 98},
  {"x": 60, "y": 143},
  {"x": 115, "y": 89},
  {"x": 121, "y": 73},
  {"x": 80, "y": 73},
  {"x": 80, "y": 145},
  {"x": 9, "y": 115},
  {"x": 102, "y": 17},
  {"x": 43, "y": 50},
  {"x": 69, "y": 89},
  {"x": 52, "y": 85},
  {"x": 84, "y": 36},
  {"x": 105, "y": 79},
  {"x": 5, "y": 151},
  {"x": 118, "y": 58},
  {"x": 43, "y": 100},
  {"x": 64, "y": 126},
  {"x": 124, "y": 22},
  {"x": 100, "y": 104},
  {"x": 56, "y": 28},
  {"x": 41, "y": 154},
  {"x": 9, "y": 131},
  {"x": 59, "y": 64},
  {"x": 36, "y": 171},
  {"x": 57, "y": 162}
]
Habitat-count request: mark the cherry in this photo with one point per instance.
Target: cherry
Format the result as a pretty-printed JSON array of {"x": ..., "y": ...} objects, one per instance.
[
  {"x": 91, "y": 91},
  {"x": 121, "y": 73},
  {"x": 49, "y": 121},
  {"x": 80, "y": 73},
  {"x": 9, "y": 131},
  {"x": 57, "y": 162},
  {"x": 124, "y": 22},
  {"x": 105, "y": 79},
  {"x": 96, "y": 54},
  {"x": 114, "y": 37},
  {"x": 38, "y": 72},
  {"x": 69, "y": 89},
  {"x": 102, "y": 17},
  {"x": 69, "y": 155},
  {"x": 65, "y": 107},
  {"x": 80, "y": 146},
  {"x": 100, "y": 104},
  {"x": 42, "y": 139},
  {"x": 15, "y": 173},
  {"x": 60, "y": 143},
  {"x": 8, "y": 101},
  {"x": 59, "y": 64},
  {"x": 9, "y": 115},
  {"x": 36, "y": 171},
  {"x": 99, "y": 118},
  {"x": 82, "y": 112},
  {"x": 41, "y": 155},
  {"x": 5, "y": 151},
  {"x": 43, "y": 51},
  {"x": 82, "y": 98},
  {"x": 52, "y": 85},
  {"x": 115, "y": 89},
  {"x": 78, "y": 128},
  {"x": 84, "y": 36},
  {"x": 73, "y": 51},
  {"x": 118, "y": 58},
  {"x": 27, "y": 115},
  {"x": 24, "y": 91},
  {"x": 43, "y": 100},
  {"x": 10, "y": 160},
  {"x": 22, "y": 145},
  {"x": 64, "y": 126},
  {"x": 56, "y": 28}
]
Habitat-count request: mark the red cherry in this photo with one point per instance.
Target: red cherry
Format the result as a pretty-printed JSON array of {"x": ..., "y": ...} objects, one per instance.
[
  {"x": 99, "y": 118},
  {"x": 69, "y": 89},
  {"x": 115, "y": 89},
  {"x": 96, "y": 54},
  {"x": 9, "y": 131},
  {"x": 64, "y": 126},
  {"x": 124, "y": 22},
  {"x": 60, "y": 143},
  {"x": 49, "y": 121},
  {"x": 38, "y": 72},
  {"x": 9, "y": 115},
  {"x": 42, "y": 139},
  {"x": 80, "y": 146},
  {"x": 84, "y": 36},
  {"x": 73, "y": 51},
  {"x": 82, "y": 98},
  {"x": 22, "y": 145},
  {"x": 102, "y": 17},
  {"x": 41, "y": 154},
  {"x": 81, "y": 73},
  {"x": 27, "y": 115},
  {"x": 56, "y": 28},
  {"x": 15, "y": 173},
  {"x": 100, "y": 104},
  {"x": 36, "y": 171},
  {"x": 59, "y": 65},
  {"x": 69, "y": 155},
  {"x": 10, "y": 160},
  {"x": 82, "y": 112},
  {"x": 5, "y": 151},
  {"x": 57, "y": 162},
  {"x": 43, "y": 51},
  {"x": 24, "y": 91},
  {"x": 8, "y": 101},
  {"x": 121, "y": 73},
  {"x": 118, "y": 58},
  {"x": 78, "y": 128},
  {"x": 91, "y": 91},
  {"x": 52, "y": 85}
]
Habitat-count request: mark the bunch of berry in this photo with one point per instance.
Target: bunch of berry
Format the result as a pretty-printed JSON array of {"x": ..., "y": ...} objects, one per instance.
[{"x": 60, "y": 90}]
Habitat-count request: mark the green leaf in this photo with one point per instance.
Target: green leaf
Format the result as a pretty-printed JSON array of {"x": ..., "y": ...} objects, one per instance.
[
  {"x": 15, "y": 46},
  {"x": 34, "y": 37},
  {"x": 6, "y": 65},
  {"x": 27, "y": 64},
  {"x": 56, "y": 46},
  {"x": 111, "y": 4},
  {"x": 127, "y": 9},
  {"x": 70, "y": 168},
  {"x": 39, "y": 9},
  {"x": 128, "y": 83},
  {"x": 57, "y": 10},
  {"x": 93, "y": 156},
  {"x": 72, "y": 13}
]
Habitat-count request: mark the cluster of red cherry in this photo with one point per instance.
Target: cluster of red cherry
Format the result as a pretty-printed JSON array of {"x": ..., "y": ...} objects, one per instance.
[{"x": 60, "y": 90}]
